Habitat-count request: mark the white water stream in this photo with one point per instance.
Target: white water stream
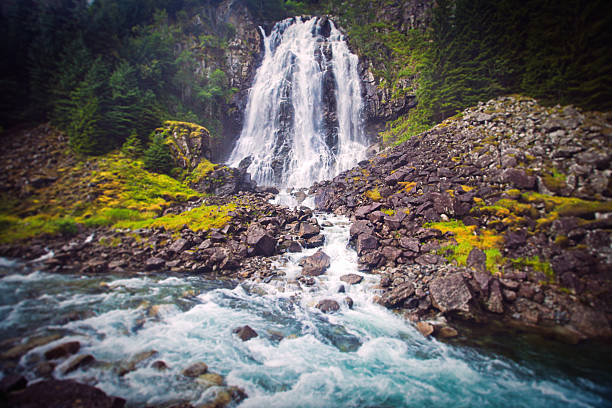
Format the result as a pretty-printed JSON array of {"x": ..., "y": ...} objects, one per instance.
[{"x": 361, "y": 357}]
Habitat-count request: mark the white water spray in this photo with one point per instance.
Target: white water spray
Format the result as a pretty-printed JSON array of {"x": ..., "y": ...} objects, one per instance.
[{"x": 292, "y": 139}]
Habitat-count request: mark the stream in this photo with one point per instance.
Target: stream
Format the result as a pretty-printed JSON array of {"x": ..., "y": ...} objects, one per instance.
[{"x": 364, "y": 356}]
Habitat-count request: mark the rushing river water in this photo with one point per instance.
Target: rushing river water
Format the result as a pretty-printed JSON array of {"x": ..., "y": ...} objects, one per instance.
[{"x": 366, "y": 356}]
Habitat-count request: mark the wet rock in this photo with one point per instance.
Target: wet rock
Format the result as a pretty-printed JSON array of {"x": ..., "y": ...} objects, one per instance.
[
  {"x": 245, "y": 333},
  {"x": 154, "y": 263},
  {"x": 445, "y": 332},
  {"x": 308, "y": 230},
  {"x": 80, "y": 361},
  {"x": 328, "y": 306},
  {"x": 349, "y": 302},
  {"x": 450, "y": 293},
  {"x": 20, "y": 349},
  {"x": 591, "y": 323},
  {"x": 397, "y": 296},
  {"x": 159, "y": 365},
  {"x": 315, "y": 264},
  {"x": 63, "y": 350},
  {"x": 12, "y": 382},
  {"x": 44, "y": 368},
  {"x": 351, "y": 278},
  {"x": 260, "y": 241},
  {"x": 211, "y": 379},
  {"x": 195, "y": 370},
  {"x": 424, "y": 328},
  {"x": 477, "y": 260},
  {"x": 62, "y": 393},
  {"x": 225, "y": 397},
  {"x": 131, "y": 365},
  {"x": 315, "y": 242},
  {"x": 294, "y": 247}
]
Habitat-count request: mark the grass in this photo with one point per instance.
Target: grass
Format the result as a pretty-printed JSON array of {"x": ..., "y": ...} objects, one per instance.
[{"x": 113, "y": 191}]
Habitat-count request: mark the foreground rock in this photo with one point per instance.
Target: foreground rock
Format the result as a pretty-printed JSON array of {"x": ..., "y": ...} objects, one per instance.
[
  {"x": 62, "y": 393},
  {"x": 245, "y": 333},
  {"x": 315, "y": 264},
  {"x": 328, "y": 306}
]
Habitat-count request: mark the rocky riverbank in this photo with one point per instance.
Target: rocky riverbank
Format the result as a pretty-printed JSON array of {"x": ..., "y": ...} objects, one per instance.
[{"x": 501, "y": 213}]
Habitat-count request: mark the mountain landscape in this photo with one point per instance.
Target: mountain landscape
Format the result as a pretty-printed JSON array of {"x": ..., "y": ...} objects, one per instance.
[{"x": 305, "y": 203}]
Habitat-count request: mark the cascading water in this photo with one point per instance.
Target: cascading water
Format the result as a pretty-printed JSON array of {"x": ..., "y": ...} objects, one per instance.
[{"x": 303, "y": 119}]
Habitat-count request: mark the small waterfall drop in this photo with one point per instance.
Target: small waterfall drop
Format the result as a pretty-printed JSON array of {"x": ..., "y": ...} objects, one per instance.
[{"x": 303, "y": 118}]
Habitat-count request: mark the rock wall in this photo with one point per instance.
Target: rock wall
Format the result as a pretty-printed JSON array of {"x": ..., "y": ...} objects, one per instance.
[{"x": 380, "y": 105}]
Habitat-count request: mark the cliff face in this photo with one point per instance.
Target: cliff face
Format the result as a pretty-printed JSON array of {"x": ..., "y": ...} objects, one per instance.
[{"x": 382, "y": 102}]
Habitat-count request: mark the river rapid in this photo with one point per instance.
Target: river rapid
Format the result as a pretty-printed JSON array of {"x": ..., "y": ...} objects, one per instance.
[{"x": 364, "y": 356}]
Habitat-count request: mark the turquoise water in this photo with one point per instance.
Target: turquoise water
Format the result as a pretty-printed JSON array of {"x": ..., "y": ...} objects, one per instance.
[{"x": 364, "y": 357}]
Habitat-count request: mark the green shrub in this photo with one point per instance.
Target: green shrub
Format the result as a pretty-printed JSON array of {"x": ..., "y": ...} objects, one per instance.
[{"x": 157, "y": 157}]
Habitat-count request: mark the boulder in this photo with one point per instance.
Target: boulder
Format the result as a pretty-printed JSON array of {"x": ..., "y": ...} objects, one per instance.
[
  {"x": 308, "y": 230},
  {"x": 12, "y": 382},
  {"x": 495, "y": 302},
  {"x": 211, "y": 379},
  {"x": 519, "y": 179},
  {"x": 450, "y": 293},
  {"x": 315, "y": 264},
  {"x": 77, "y": 362},
  {"x": 351, "y": 278},
  {"x": 391, "y": 253},
  {"x": 63, "y": 350},
  {"x": 62, "y": 393},
  {"x": 360, "y": 227},
  {"x": 188, "y": 142},
  {"x": 195, "y": 370},
  {"x": 129, "y": 366},
  {"x": 411, "y": 244},
  {"x": 425, "y": 328},
  {"x": 245, "y": 333},
  {"x": 260, "y": 241},
  {"x": 294, "y": 246},
  {"x": 397, "y": 296},
  {"x": 179, "y": 245},
  {"x": 349, "y": 302},
  {"x": 154, "y": 263},
  {"x": 328, "y": 306},
  {"x": 366, "y": 242},
  {"x": 315, "y": 242}
]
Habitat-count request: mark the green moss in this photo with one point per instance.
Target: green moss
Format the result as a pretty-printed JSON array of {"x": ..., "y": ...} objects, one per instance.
[
  {"x": 468, "y": 238},
  {"x": 569, "y": 206},
  {"x": 373, "y": 194},
  {"x": 535, "y": 263},
  {"x": 198, "y": 219},
  {"x": 555, "y": 181},
  {"x": 388, "y": 211},
  {"x": 505, "y": 208},
  {"x": 202, "y": 170}
]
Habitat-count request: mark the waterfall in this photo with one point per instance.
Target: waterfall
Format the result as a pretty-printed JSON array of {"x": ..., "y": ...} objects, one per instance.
[{"x": 303, "y": 117}]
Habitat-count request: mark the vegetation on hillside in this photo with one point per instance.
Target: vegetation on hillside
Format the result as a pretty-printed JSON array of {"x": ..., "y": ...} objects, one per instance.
[{"x": 473, "y": 51}]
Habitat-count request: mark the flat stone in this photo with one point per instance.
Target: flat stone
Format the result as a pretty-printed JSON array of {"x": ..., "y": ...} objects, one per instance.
[
  {"x": 351, "y": 278},
  {"x": 63, "y": 350},
  {"x": 154, "y": 263},
  {"x": 77, "y": 362},
  {"x": 308, "y": 230}
]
